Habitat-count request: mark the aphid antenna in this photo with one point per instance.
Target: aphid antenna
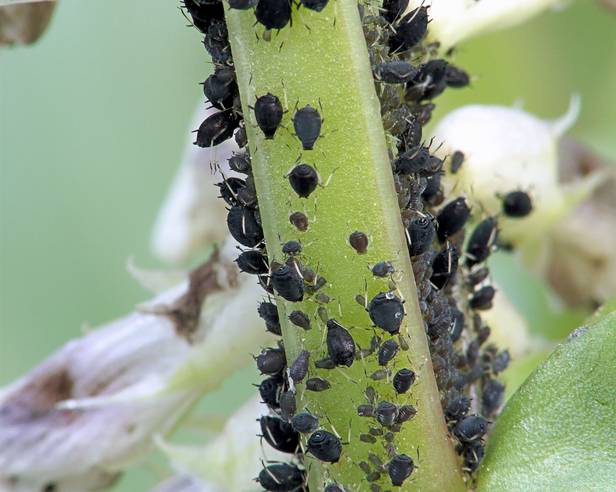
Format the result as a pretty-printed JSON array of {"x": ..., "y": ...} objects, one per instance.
[{"x": 346, "y": 376}]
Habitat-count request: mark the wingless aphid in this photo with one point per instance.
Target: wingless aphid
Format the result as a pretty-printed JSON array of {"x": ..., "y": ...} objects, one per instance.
[
  {"x": 268, "y": 109},
  {"x": 307, "y": 124},
  {"x": 279, "y": 434}
]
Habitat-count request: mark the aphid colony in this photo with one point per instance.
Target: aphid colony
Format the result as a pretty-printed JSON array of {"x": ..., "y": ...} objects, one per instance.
[
  {"x": 451, "y": 292},
  {"x": 452, "y": 279}
]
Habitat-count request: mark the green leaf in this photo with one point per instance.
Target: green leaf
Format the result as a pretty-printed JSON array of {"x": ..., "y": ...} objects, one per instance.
[{"x": 558, "y": 432}]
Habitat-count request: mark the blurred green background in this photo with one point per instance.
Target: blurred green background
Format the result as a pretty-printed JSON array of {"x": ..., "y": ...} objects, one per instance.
[{"x": 94, "y": 120}]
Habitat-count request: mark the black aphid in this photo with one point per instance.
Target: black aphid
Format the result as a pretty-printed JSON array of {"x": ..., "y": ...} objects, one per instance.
[
  {"x": 240, "y": 163},
  {"x": 379, "y": 375},
  {"x": 482, "y": 299},
  {"x": 305, "y": 422},
  {"x": 482, "y": 241},
  {"x": 243, "y": 226},
  {"x": 266, "y": 284},
  {"x": 299, "y": 221},
  {"x": 457, "y": 324},
  {"x": 429, "y": 82},
  {"x": 273, "y": 14},
  {"x": 204, "y": 13},
  {"x": 393, "y": 9},
  {"x": 388, "y": 351},
  {"x": 410, "y": 30},
  {"x": 400, "y": 468},
  {"x": 365, "y": 410},
  {"x": 325, "y": 363},
  {"x": 517, "y": 204},
  {"x": 423, "y": 112},
  {"x": 386, "y": 311},
  {"x": 359, "y": 242},
  {"x": 325, "y": 446},
  {"x": 386, "y": 413},
  {"x": 281, "y": 477},
  {"x": 269, "y": 313},
  {"x": 316, "y": 5},
  {"x": 287, "y": 283},
  {"x": 279, "y": 434},
  {"x": 241, "y": 139},
  {"x": 444, "y": 267},
  {"x": 303, "y": 179},
  {"x": 270, "y": 390},
  {"x": 317, "y": 384},
  {"x": 478, "y": 276},
  {"x": 396, "y": 72},
  {"x": 307, "y": 123},
  {"x": 216, "y": 41},
  {"x": 493, "y": 393},
  {"x": 471, "y": 428},
  {"x": 456, "y": 77},
  {"x": 340, "y": 344},
  {"x": 457, "y": 159},
  {"x": 229, "y": 189},
  {"x": 501, "y": 361},
  {"x": 417, "y": 160},
  {"x": 432, "y": 193},
  {"x": 457, "y": 408},
  {"x": 452, "y": 218},
  {"x": 405, "y": 413},
  {"x": 268, "y": 110},
  {"x": 420, "y": 234},
  {"x": 216, "y": 128},
  {"x": 382, "y": 269},
  {"x": 473, "y": 455},
  {"x": 252, "y": 262},
  {"x": 220, "y": 88},
  {"x": 271, "y": 361},
  {"x": 242, "y": 4},
  {"x": 301, "y": 319},
  {"x": 292, "y": 248},
  {"x": 299, "y": 368},
  {"x": 403, "y": 380},
  {"x": 367, "y": 438},
  {"x": 288, "y": 405}
]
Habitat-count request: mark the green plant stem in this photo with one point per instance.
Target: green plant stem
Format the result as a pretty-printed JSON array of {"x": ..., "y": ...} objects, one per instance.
[{"x": 322, "y": 60}]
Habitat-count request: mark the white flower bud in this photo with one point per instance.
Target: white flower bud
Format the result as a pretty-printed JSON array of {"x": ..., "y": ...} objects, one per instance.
[
  {"x": 91, "y": 408},
  {"x": 192, "y": 216},
  {"x": 454, "y": 21},
  {"x": 507, "y": 149}
]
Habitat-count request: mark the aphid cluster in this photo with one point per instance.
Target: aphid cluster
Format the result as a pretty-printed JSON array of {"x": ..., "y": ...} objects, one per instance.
[{"x": 452, "y": 279}]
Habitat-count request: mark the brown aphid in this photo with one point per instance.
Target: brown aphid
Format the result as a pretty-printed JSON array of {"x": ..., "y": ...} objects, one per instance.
[
  {"x": 359, "y": 242},
  {"x": 299, "y": 220}
]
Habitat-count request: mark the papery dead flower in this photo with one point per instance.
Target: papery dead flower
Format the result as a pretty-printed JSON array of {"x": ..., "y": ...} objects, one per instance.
[
  {"x": 92, "y": 407},
  {"x": 192, "y": 216},
  {"x": 24, "y": 22}
]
